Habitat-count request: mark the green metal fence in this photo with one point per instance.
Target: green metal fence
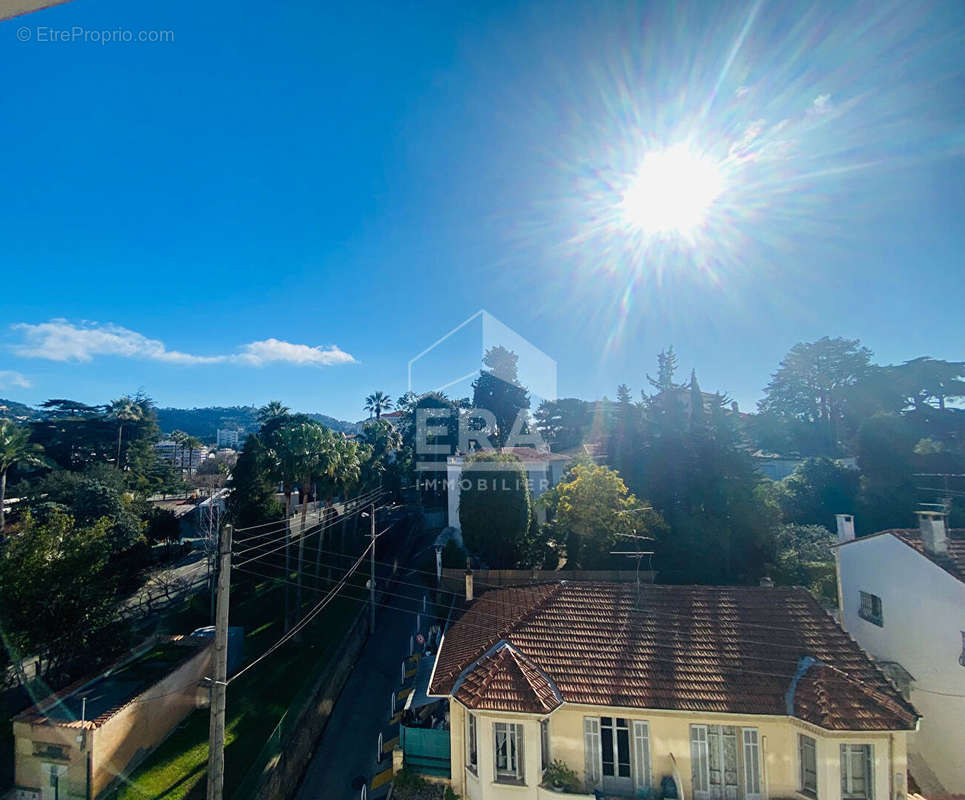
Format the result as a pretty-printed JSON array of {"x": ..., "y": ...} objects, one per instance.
[{"x": 426, "y": 750}]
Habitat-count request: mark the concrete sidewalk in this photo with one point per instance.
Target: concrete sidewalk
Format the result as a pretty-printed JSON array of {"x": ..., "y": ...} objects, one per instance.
[{"x": 345, "y": 757}]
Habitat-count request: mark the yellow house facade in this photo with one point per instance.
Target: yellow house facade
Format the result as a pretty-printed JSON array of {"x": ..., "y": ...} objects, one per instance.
[
  {"x": 770, "y": 764},
  {"x": 794, "y": 711}
]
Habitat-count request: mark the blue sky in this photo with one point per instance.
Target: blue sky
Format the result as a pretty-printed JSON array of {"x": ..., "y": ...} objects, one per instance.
[{"x": 289, "y": 201}]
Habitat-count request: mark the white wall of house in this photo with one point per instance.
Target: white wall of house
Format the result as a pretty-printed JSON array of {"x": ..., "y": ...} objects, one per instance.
[{"x": 923, "y": 616}]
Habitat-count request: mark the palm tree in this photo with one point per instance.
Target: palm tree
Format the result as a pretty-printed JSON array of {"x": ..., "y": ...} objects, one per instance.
[
  {"x": 377, "y": 402},
  {"x": 338, "y": 472},
  {"x": 293, "y": 451},
  {"x": 191, "y": 443},
  {"x": 15, "y": 448},
  {"x": 124, "y": 409},
  {"x": 272, "y": 410},
  {"x": 179, "y": 437}
]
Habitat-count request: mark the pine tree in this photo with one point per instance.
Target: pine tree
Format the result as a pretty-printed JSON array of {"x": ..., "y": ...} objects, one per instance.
[{"x": 666, "y": 367}]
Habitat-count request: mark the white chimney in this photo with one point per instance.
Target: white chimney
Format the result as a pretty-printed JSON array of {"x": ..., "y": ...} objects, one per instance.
[
  {"x": 468, "y": 582},
  {"x": 934, "y": 536},
  {"x": 845, "y": 527}
]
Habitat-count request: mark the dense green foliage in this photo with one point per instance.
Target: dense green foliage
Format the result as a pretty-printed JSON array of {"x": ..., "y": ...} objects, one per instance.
[
  {"x": 498, "y": 390},
  {"x": 593, "y": 514},
  {"x": 494, "y": 508},
  {"x": 77, "y": 541},
  {"x": 57, "y": 591},
  {"x": 803, "y": 558}
]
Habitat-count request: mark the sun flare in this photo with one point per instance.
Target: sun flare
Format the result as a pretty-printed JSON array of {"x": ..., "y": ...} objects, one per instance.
[{"x": 671, "y": 192}]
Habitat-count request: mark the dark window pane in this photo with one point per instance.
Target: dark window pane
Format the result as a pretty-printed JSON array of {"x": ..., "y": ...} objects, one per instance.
[{"x": 623, "y": 746}]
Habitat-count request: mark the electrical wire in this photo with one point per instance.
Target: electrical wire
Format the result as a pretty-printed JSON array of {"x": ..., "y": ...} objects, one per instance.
[
  {"x": 306, "y": 619},
  {"x": 285, "y": 527},
  {"x": 302, "y": 537},
  {"x": 275, "y": 522}
]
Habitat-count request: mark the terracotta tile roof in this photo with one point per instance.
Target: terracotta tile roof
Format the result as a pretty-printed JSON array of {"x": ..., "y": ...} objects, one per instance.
[
  {"x": 504, "y": 679},
  {"x": 953, "y": 563},
  {"x": 688, "y": 648}
]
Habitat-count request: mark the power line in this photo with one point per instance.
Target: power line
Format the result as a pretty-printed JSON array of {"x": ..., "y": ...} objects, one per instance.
[
  {"x": 285, "y": 526},
  {"x": 275, "y": 522},
  {"x": 302, "y": 537},
  {"x": 318, "y": 513},
  {"x": 304, "y": 621}
]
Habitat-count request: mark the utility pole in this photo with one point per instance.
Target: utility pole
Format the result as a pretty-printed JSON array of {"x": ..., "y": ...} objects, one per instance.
[
  {"x": 372, "y": 570},
  {"x": 219, "y": 659}
]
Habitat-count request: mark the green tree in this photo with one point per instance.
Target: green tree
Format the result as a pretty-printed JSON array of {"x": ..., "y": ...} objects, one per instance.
[
  {"x": 563, "y": 423},
  {"x": 191, "y": 444},
  {"x": 666, "y": 367},
  {"x": 431, "y": 411},
  {"x": 594, "y": 513},
  {"x": 272, "y": 411},
  {"x": 377, "y": 402},
  {"x": 817, "y": 490},
  {"x": 124, "y": 410},
  {"x": 804, "y": 558},
  {"x": 885, "y": 448},
  {"x": 702, "y": 481},
  {"x": 812, "y": 382},
  {"x": 57, "y": 595},
  {"x": 252, "y": 500},
  {"x": 497, "y": 389},
  {"x": 15, "y": 449},
  {"x": 924, "y": 380},
  {"x": 494, "y": 508},
  {"x": 98, "y": 493},
  {"x": 384, "y": 464}
]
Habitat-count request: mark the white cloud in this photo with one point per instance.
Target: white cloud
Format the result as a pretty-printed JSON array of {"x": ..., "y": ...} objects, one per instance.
[
  {"x": 273, "y": 350},
  {"x": 741, "y": 91},
  {"x": 61, "y": 340},
  {"x": 10, "y": 379},
  {"x": 821, "y": 104},
  {"x": 742, "y": 147}
]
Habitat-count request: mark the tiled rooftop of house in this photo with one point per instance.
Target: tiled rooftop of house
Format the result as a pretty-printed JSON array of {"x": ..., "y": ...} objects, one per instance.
[{"x": 715, "y": 649}]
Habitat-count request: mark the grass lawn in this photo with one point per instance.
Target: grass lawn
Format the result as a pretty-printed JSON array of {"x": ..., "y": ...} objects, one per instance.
[{"x": 256, "y": 701}]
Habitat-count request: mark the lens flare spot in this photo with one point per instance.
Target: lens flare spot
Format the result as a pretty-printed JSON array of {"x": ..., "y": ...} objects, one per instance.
[{"x": 671, "y": 192}]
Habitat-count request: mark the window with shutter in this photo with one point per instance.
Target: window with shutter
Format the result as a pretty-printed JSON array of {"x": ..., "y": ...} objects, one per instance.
[
  {"x": 700, "y": 761},
  {"x": 642, "y": 779},
  {"x": 507, "y": 741},
  {"x": 591, "y": 749},
  {"x": 471, "y": 750},
  {"x": 808, "y": 756},
  {"x": 752, "y": 764},
  {"x": 544, "y": 743},
  {"x": 857, "y": 773}
]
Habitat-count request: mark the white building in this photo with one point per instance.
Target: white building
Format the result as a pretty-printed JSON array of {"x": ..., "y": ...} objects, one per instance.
[
  {"x": 902, "y": 598},
  {"x": 543, "y": 471},
  {"x": 229, "y": 437},
  {"x": 178, "y": 456}
]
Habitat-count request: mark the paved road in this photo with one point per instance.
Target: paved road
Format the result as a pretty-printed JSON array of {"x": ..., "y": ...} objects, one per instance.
[{"x": 346, "y": 752}]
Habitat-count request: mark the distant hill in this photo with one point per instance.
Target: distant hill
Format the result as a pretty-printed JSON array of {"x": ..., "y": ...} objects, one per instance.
[
  {"x": 204, "y": 422},
  {"x": 11, "y": 409},
  {"x": 200, "y": 422}
]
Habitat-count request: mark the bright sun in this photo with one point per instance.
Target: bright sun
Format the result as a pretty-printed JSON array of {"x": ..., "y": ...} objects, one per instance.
[{"x": 671, "y": 192}]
